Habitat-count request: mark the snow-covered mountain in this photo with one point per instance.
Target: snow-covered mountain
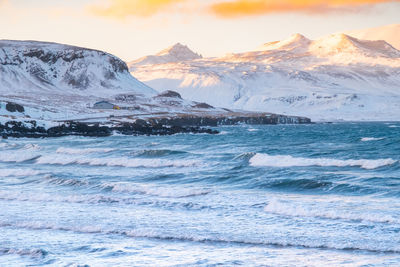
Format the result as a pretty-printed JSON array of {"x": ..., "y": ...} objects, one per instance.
[
  {"x": 47, "y": 84},
  {"x": 388, "y": 33},
  {"x": 175, "y": 53},
  {"x": 332, "y": 78},
  {"x": 26, "y": 66}
]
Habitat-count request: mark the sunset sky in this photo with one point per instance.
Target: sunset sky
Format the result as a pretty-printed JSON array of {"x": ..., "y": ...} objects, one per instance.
[{"x": 131, "y": 29}]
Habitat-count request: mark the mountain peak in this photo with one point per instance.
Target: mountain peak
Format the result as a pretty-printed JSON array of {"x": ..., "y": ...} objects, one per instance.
[
  {"x": 179, "y": 51},
  {"x": 388, "y": 33},
  {"x": 176, "y": 53},
  {"x": 343, "y": 43},
  {"x": 293, "y": 42}
]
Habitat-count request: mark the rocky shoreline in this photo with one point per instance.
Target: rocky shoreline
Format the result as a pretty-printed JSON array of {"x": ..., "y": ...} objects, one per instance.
[{"x": 150, "y": 126}]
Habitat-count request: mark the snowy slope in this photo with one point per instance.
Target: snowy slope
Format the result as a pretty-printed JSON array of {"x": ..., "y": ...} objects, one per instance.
[
  {"x": 175, "y": 53},
  {"x": 388, "y": 33},
  {"x": 335, "y": 77},
  {"x": 53, "y": 83},
  {"x": 48, "y": 66}
]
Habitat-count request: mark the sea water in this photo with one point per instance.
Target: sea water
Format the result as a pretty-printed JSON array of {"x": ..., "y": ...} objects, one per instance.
[{"x": 283, "y": 195}]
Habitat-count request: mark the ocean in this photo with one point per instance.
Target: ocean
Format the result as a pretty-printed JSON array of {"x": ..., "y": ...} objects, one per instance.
[{"x": 272, "y": 195}]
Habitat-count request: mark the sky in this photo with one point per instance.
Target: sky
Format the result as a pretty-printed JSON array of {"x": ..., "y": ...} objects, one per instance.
[{"x": 131, "y": 29}]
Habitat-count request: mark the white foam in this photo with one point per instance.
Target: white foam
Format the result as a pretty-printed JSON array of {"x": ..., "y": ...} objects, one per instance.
[
  {"x": 31, "y": 147},
  {"x": 265, "y": 160},
  {"x": 167, "y": 191},
  {"x": 155, "y": 234},
  {"x": 394, "y": 126},
  {"x": 303, "y": 210},
  {"x": 17, "y": 172},
  {"x": 366, "y": 139},
  {"x": 82, "y": 151},
  {"x": 17, "y": 156},
  {"x": 116, "y": 162}
]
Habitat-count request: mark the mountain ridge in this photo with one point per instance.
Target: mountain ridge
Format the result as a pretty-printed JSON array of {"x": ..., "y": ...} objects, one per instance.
[{"x": 336, "y": 77}]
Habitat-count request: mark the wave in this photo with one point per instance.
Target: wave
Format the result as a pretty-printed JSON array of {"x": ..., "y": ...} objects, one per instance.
[
  {"x": 157, "y": 152},
  {"x": 31, "y": 147},
  {"x": 265, "y": 160},
  {"x": 137, "y": 233},
  {"x": 246, "y": 156},
  {"x": 101, "y": 199},
  {"x": 168, "y": 191},
  {"x": 7, "y": 145},
  {"x": 66, "y": 182},
  {"x": 394, "y": 126},
  {"x": 33, "y": 253},
  {"x": 367, "y": 139},
  {"x": 115, "y": 162},
  {"x": 124, "y": 187},
  {"x": 286, "y": 209},
  {"x": 82, "y": 151},
  {"x": 18, "y": 157},
  {"x": 18, "y": 172}
]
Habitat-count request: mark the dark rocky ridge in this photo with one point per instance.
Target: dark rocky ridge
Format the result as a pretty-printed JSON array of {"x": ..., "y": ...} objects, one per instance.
[
  {"x": 18, "y": 129},
  {"x": 151, "y": 126}
]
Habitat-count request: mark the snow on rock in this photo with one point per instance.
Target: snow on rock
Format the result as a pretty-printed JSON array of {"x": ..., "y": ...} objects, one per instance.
[
  {"x": 28, "y": 65},
  {"x": 337, "y": 77},
  {"x": 175, "y": 53},
  {"x": 388, "y": 33}
]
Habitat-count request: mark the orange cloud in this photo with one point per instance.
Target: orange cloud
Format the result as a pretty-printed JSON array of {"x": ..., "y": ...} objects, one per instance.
[
  {"x": 238, "y": 8},
  {"x": 125, "y": 8}
]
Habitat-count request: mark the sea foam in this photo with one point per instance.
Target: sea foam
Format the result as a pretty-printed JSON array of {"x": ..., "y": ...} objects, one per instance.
[
  {"x": 17, "y": 172},
  {"x": 265, "y": 160},
  {"x": 301, "y": 210},
  {"x": 366, "y": 139},
  {"x": 115, "y": 162},
  {"x": 169, "y": 192}
]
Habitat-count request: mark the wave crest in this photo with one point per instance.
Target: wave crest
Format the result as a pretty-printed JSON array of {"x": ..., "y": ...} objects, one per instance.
[
  {"x": 265, "y": 160},
  {"x": 367, "y": 139},
  {"x": 115, "y": 162},
  {"x": 286, "y": 209}
]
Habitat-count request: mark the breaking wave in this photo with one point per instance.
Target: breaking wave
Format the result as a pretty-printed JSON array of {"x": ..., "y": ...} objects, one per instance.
[
  {"x": 33, "y": 253},
  {"x": 167, "y": 191},
  {"x": 115, "y": 162},
  {"x": 366, "y": 139},
  {"x": 17, "y": 157},
  {"x": 265, "y": 160},
  {"x": 286, "y": 209}
]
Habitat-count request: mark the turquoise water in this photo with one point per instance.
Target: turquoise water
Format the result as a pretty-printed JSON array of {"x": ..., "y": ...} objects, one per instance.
[{"x": 286, "y": 195}]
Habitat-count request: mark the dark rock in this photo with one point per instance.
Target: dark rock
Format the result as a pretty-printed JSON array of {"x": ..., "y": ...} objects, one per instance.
[
  {"x": 14, "y": 107},
  {"x": 170, "y": 93},
  {"x": 118, "y": 65},
  {"x": 203, "y": 105}
]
